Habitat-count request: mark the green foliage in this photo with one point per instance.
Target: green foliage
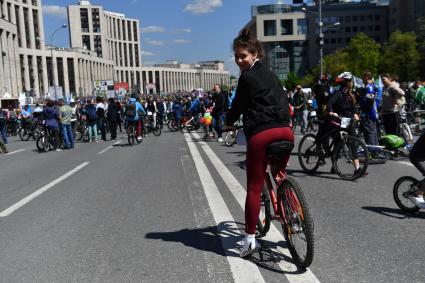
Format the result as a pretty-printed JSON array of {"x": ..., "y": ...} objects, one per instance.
[
  {"x": 363, "y": 54},
  {"x": 400, "y": 56},
  {"x": 292, "y": 81}
]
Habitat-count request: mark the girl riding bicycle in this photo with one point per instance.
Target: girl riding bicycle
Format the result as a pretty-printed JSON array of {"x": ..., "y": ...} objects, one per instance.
[{"x": 264, "y": 105}]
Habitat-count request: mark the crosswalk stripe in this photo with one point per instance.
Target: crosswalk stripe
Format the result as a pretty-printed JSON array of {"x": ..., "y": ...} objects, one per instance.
[
  {"x": 242, "y": 270},
  {"x": 239, "y": 194}
]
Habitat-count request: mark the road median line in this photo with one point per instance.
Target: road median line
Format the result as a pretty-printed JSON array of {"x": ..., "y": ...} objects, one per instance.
[{"x": 40, "y": 191}]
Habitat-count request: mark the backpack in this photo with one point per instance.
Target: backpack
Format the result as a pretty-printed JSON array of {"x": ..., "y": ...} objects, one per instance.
[
  {"x": 130, "y": 110},
  {"x": 392, "y": 141},
  {"x": 91, "y": 114}
]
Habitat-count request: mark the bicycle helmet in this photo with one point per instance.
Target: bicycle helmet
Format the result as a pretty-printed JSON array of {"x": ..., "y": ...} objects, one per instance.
[{"x": 344, "y": 77}]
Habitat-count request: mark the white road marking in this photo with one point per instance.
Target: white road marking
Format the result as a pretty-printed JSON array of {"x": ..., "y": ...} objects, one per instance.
[
  {"x": 108, "y": 148},
  {"x": 242, "y": 270},
  {"x": 16, "y": 151},
  {"x": 43, "y": 189},
  {"x": 406, "y": 163},
  {"x": 273, "y": 235}
]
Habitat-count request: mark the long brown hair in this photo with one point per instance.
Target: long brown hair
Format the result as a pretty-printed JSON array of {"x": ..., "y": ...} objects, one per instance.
[{"x": 246, "y": 40}]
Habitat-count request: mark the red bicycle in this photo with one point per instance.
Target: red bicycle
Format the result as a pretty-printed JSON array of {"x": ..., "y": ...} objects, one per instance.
[{"x": 283, "y": 194}]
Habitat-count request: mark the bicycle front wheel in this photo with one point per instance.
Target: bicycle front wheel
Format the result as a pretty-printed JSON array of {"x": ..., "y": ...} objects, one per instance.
[
  {"x": 157, "y": 131},
  {"x": 230, "y": 138},
  {"x": 263, "y": 223},
  {"x": 404, "y": 188},
  {"x": 297, "y": 223},
  {"x": 343, "y": 157},
  {"x": 308, "y": 153}
]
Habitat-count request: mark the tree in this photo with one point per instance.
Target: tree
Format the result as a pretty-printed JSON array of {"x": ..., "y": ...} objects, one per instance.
[
  {"x": 363, "y": 54},
  {"x": 292, "y": 81},
  {"x": 401, "y": 57}
]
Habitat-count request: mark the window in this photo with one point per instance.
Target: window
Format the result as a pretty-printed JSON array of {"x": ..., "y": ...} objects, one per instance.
[
  {"x": 333, "y": 40},
  {"x": 96, "y": 20},
  {"x": 347, "y": 29},
  {"x": 339, "y": 40},
  {"x": 84, "y": 15},
  {"x": 269, "y": 28},
  {"x": 377, "y": 28},
  {"x": 302, "y": 26},
  {"x": 369, "y": 28},
  {"x": 355, "y": 18},
  {"x": 377, "y": 17},
  {"x": 377, "y": 39},
  {"x": 355, "y": 29},
  {"x": 86, "y": 42},
  {"x": 286, "y": 27},
  {"x": 362, "y": 18},
  {"x": 341, "y": 19},
  {"x": 347, "y": 18},
  {"x": 362, "y": 28},
  {"x": 347, "y": 39}
]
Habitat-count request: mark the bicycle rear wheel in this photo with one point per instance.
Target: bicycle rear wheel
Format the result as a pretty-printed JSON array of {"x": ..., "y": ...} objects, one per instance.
[
  {"x": 130, "y": 135},
  {"x": 308, "y": 153},
  {"x": 403, "y": 189},
  {"x": 298, "y": 228},
  {"x": 263, "y": 223},
  {"x": 24, "y": 134},
  {"x": 343, "y": 159},
  {"x": 230, "y": 138}
]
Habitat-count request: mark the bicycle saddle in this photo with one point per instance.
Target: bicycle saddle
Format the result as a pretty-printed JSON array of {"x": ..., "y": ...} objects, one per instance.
[{"x": 280, "y": 148}]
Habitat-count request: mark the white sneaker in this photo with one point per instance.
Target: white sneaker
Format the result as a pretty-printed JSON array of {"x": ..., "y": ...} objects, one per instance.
[
  {"x": 139, "y": 138},
  {"x": 250, "y": 245},
  {"x": 418, "y": 201},
  {"x": 220, "y": 140}
]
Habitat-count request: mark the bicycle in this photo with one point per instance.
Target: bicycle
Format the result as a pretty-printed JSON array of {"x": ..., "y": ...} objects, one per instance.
[
  {"x": 131, "y": 133},
  {"x": 46, "y": 141},
  {"x": 341, "y": 151},
  {"x": 405, "y": 188},
  {"x": 290, "y": 208}
]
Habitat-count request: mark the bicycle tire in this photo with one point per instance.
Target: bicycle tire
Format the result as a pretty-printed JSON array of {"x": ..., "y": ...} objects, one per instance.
[
  {"x": 299, "y": 220},
  {"x": 230, "y": 138},
  {"x": 130, "y": 135},
  {"x": 397, "y": 194},
  {"x": 157, "y": 131},
  {"x": 345, "y": 147},
  {"x": 307, "y": 154},
  {"x": 264, "y": 218},
  {"x": 38, "y": 143},
  {"x": 24, "y": 134}
]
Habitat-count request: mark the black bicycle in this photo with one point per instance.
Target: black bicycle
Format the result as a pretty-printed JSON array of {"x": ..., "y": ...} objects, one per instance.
[
  {"x": 131, "y": 133},
  {"x": 343, "y": 150},
  {"x": 46, "y": 141},
  {"x": 404, "y": 189}
]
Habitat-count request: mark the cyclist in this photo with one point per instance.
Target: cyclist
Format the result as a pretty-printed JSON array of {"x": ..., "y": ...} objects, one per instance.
[
  {"x": 343, "y": 104},
  {"x": 322, "y": 93},
  {"x": 417, "y": 157},
  {"x": 51, "y": 117},
  {"x": 264, "y": 105},
  {"x": 132, "y": 110}
]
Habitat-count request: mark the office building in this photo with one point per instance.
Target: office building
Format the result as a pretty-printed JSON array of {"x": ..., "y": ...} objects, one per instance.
[
  {"x": 282, "y": 29},
  {"x": 172, "y": 76},
  {"x": 407, "y": 16},
  {"x": 109, "y": 35}
]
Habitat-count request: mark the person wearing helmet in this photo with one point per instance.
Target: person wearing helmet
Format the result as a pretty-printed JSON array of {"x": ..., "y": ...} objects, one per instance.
[
  {"x": 322, "y": 93},
  {"x": 343, "y": 104}
]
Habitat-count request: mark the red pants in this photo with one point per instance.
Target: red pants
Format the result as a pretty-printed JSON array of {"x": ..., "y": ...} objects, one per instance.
[{"x": 256, "y": 165}]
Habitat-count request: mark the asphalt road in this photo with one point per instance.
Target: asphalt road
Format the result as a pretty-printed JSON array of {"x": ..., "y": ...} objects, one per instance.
[{"x": 171, "y": 210}]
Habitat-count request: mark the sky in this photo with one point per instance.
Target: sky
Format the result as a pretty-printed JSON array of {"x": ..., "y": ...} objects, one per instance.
[{"x": 188, "y": 31}]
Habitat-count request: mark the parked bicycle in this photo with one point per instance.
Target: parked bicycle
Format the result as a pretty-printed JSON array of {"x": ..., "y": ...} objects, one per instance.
[
  {"x": 283, "y": 200},
  {"x": 343, "y": 150}
]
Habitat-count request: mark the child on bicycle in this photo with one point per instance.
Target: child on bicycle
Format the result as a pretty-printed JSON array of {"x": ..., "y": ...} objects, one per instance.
[{"x": 264, "y": 105}]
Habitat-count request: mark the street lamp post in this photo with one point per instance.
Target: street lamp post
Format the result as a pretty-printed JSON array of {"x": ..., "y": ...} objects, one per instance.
[
  {"x": 51, "y": 56},
  {"x": 321, "y": 34}
]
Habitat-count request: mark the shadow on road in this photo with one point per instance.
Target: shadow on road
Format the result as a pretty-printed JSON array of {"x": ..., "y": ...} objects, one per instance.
[
  {"x": 394, "y": 212},
  {"x": 208, "y": 239}
]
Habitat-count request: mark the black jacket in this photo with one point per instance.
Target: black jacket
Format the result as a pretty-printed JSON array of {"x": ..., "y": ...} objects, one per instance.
[
  {"x": 112, "y": 113},
  {"x": 262, "y": 101},
  {"x": 219, "y": 106}
]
